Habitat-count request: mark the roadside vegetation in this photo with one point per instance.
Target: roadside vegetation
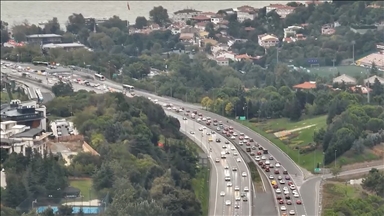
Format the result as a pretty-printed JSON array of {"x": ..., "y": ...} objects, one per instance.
[
  {"x": 256, "y": 178},
  {"x": 340, "y": 198},
  {"x": 200, "y": 185}
]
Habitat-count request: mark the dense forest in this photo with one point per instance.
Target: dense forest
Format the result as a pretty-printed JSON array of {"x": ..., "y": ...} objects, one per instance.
[{"x": 139, "y": 176}]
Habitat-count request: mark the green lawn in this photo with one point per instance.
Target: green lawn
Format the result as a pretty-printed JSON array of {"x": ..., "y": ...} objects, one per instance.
[
  {"x": 200, "y": 185},
  {"x": 303, "y": 137},
  {"x": 348, "y": 70},
  {"x": 335, "y": 191},
  {"x": 85, "y": 187}
]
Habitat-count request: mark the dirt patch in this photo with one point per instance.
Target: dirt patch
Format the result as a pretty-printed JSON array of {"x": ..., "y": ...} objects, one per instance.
[
  {"x": 378, "y": 150},
  {"x": 362, "y": 165},
  {"x": 288, "y": 132}
]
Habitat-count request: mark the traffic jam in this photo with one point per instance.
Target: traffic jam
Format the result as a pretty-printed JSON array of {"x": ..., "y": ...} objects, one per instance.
[{"x": 286, "y": 193}]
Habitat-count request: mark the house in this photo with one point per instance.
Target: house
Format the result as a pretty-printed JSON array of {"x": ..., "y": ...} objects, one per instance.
[
  {"x": 184, "y": 15},
  {"x": 219, "y": 47},
  {"x": 377, "y": 58},
  {"x": 216, "y": 19},
  {"x": 44, "y": 38},
  {"x": 206, "y": 41},
  {"x": 187, "y": 37},
  {"x": 227, "y": 55},
  {"x": 201, "y": 18},
  {"x": 282, "y": 10},
  {"x": 360, "y": 89},
  {"x": 371, "y": 80},
  {"x": 201, "y": 25},
  {"x": 189, "y": 29},
  {"x": 291, "y": 31},
  {"x": 298, "y": 37},
  {"x": 243, "y": 57},
  {"x": 315, "y": 2},
  {"x": 17, "y": 138},
  {"x": 208, "y": 14},
  {"x": 65, "y": 46},
  {"x": 28, "y": 113},
  {"x": 222, "y": 61},
  {"x": 348, "y": 80},
  {"x": 268, "y": 40},
  {"x": 306, "y": 85},
  {"x": 328, "y": 29},
  {"x": 246, "y": 12}
]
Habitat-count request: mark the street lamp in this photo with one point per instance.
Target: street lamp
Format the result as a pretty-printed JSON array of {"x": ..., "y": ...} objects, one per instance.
[
  {"x": 353, "y": 51},
  {"x": 335, "y": 157}
]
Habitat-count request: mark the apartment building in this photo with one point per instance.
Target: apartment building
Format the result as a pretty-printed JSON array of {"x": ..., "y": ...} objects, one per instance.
[
  {"x": 268, "y": 40},
  {"x": 282, "y": 10},
  {"x": 185, "y": 14}
]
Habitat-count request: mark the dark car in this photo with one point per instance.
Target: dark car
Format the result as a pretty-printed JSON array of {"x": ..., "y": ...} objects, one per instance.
[{"x": 287, "y": 178}]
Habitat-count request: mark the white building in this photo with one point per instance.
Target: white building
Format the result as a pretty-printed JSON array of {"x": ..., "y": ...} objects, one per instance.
[
  {"x": 227, "y": 55},
  {"x": 216, "y": 19},
  {"x": 184, "y": 15},
  {"x": 17, "y": 138},
  {"x": 282, "y": 10},
  {"x": 290, "y": 31},
  {"x": 268, "y": 40},
  {"x": 222, "y": 61},
  {"x": 246, "y": 12},
  {"x": 371, "y": 80}
]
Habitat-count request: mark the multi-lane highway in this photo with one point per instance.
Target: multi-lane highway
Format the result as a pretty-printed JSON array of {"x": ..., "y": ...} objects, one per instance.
[{"x": 231, "y": 197}]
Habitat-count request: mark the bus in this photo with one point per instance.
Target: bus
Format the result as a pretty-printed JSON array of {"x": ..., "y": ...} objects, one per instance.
[
  {"x": 128, "y": 88},
  {"x": 40, "y": 63},
  {"x": 99, "y": 77}
]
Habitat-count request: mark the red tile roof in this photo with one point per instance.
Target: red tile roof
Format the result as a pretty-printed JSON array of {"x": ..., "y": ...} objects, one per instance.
[
  {"x": 306, "y": 85},
  {"x": 201, "y": 18}
]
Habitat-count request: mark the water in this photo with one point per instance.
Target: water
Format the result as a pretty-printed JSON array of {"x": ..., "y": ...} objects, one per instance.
[{"x": 18, "y": 11}]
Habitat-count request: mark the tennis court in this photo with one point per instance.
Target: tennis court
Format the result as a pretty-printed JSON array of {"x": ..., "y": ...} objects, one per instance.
[{"x": 349, "y": 70}]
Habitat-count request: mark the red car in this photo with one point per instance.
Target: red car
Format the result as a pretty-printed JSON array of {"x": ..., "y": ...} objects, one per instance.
[
  {"x": 248, "y": 144},
  {"x": 230, "y": 128},
  {"x": 261, "y": 163},
  {"x": 298, "y": 202},
  {"x": 275, "y": 186},
  {"x": 241, "y": 138},
  {"x": 290, "y": 183},
  {"x": 277, "y": 171},
  {"x": 281, "y": 202},
  {"x": 279, "y": 198},
  {"x": 258, "y": 152},
  {"x": 267, "y": 170}
]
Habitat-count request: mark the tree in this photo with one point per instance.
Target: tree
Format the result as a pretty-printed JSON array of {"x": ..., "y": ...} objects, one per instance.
[
  {"x": 62, "y": 89},
  {"x": 65, "y": 210},
  {"x": 335, "y": 170},
  {"x": 374, "y": 181},
  {"x": 229, "y": 108},
  {"x": 141, "y": 22},
  {"x": 48, "y": 212},
  {"x": 204, "y": 102},
  {"x": 76, "y": 23},
  {"x": 159, "y": 15}
]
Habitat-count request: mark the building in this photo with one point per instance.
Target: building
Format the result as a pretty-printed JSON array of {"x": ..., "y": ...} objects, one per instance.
[
  {"x": 222, "y": 61},
  {"x": 246, "y": 12},
  {"x": 328, "y": 29},
  {"x": 201, "y": 18},
  {"x": 216, "y": 19},
  {"x": 227, "y": 55},
  {"x": 268, "y": 40},
  {"x": 28, "y": 113},
  {"x": 65, "y": 46},
  {"x": 291, "y": 31},
  {"x": 200, "y": 25},
  {"x": 17, "y": 138},
  {"x": 371, "y": 80},
  {"x": 345, "y": 79},
  {"x": 282, "y": 10},
  {"x": 44, "y": 38},
  {"x": 306, "y": 85},
  {"x": 184, "y": 15}
]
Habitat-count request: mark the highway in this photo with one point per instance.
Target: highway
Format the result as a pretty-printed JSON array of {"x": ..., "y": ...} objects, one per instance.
[{"x": 218, "y": 204}]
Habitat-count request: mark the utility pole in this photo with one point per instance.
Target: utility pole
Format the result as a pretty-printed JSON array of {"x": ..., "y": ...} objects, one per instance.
[
  {"x": 335, "y": 158},
  {"x": 368, "y": 85},
  {"x": 277, "y": 55},
  {"x": 353, "y": 51}
]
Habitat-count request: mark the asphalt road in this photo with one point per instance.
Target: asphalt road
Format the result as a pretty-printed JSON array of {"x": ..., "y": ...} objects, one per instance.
[{"x": 218, "y": 172}]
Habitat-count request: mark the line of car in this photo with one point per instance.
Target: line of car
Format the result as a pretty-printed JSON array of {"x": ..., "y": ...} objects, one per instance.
[{"x": 261, "y": 157}]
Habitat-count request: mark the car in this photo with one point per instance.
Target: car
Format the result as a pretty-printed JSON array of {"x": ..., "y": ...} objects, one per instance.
[
  {"x": 287, "y": 177},
  {"x": 200, "y": 129},
  {"x": 238, "y": 160},
  {"x": 208, "y": 133},
  {"x": 226, "y": 167},
  {"x": 287, "y": 197},
  {"x": 238, "y": 198},
  {"x": 192, "y": 132},
  {"x": 237, "y": 188},
  {"x": 258, "y": 153},
  {"x": 213, "y": 132},
  {"x": 222, "y": 193},
  {"x": 241, "y": 143},
  {"x": 246, "y": 137},
  {"x": 286, "y": 192},
  {"x": 270, "y": 158},
  {"x": 289, "y": 202},
  {"x": 229, "y": 184},
  {"x": 283, "y": 208},
  {"x": 282, "y": 181},
  {"x": 292, "y": 187},
  {"x": 228, "y": 202},
  {"x": 281, "y": 202},
  {"x": 226, "y": 142},
  {"x": 267, "y": 169},
  {"x": 285, "y": 188},
  {"x": 184, "y": 118},
  {"x": 284, "y": 214},
  {"x": 267, "y": 162},
  {"x": 298, "y": 202},
  {"x": 290, "y": 183},
  {"x": 285, "y": 172},
  {"x": 245, "y": 199},
  {"x": 277, "y": 171},
  {"x": 277, "y": 165},
  {"x": 217, "y": 160},
  {"x": 218, "y": 140},
  {"x": 241, "y": 138},
  {"x": 275, "y": 186},
  {"x": 271, "y": 166},
  {"x": 218, "y": 129},
  {"x": 235, "y": 153},
  {"x": 279, "y": 177},
  {"x": 227, "y": 152},
  {"x": 204, "y": 128},
  {"x": 234, "y": 134},
  {"x": 224, "y": 147},
  {"x": 278, "y": 190},
  {"x": 233, "y": 138},
  {"x": 279, "y": 197},
  {"x": 257, "y": 158},
  {"x": 263, "y": 157},
  {"x": 234, "y": 168},
  {"x": 292, "y": 212},
  {"x": 296, "y": 195},
  {"x": 246, "y": 189},
  {"x": 271, "y": 177},
  {"x": 252, "y": 153},
  {"x": 273, "y": 182},
  {"x": 254, "y": 148},
  {"x": 261, "y": 163},
  {"x": 237, "y": 206},
  {"x": 294, "y": 192},
  {"x": 244, "y": 174},
  {"x": 233, "y": 148}
]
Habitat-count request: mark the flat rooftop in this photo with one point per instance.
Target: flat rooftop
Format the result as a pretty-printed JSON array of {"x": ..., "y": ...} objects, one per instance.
[{"x": 31, "y": 133}]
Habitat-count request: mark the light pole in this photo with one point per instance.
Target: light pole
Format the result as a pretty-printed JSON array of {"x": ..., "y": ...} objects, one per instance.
[
  {"x": 353, "y": 51},
  {"x": 335, "y": 157}
]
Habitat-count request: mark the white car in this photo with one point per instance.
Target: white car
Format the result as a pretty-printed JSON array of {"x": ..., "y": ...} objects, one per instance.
[
  {"x": 283, "y": 208},
  {"x": 294, "y": 192},
  {"x": 235, "y": 153},
  {"x": 229, "y": 184},
  {"x": 285, "y": 188},
  {"x": 292, "y": 212},
  {"x": 246, "y": 189},
  {"x": 226, "y": 167},
  {"x": 224, "y": 146},
  {"x": 233, "y": 137},
  {"x": 238, "y": 160},
  {"x": 267, "y": 162},
  {"x": 192, "y": 132},
  {"x": 257, "y": 158},
  {"x": 271, "y": 177},
  {"x": 296, "y": 195},
  {"x": 237, "y": 188},
  {"x": 263, "y": 158},
  {"x": 277, "y": 165},
  {"x": 278, "y": 190},
  {"x": 238, "y": 198},
  {"x": 246, "y": 137},
  {"x": 200, "y": 129},
  {"x": 233, "y": 148},
  {"x": 222, "y": 193},
  {"x": 282, "y": 181},
  {"x": 286, "y": 192},
  {"x": 241, "y": 143},
  {"x": 228, "y": 202},
  {"x": 244, "y": 174},
  {"x": 204, "y": 128},
  {"x": 292, "y": 187},
  {"x": 234, "y": 134},
  {"x": 204, "y": 119},
  {"x": 208, "y": 133},
  {"x": 234, "y": 169}
]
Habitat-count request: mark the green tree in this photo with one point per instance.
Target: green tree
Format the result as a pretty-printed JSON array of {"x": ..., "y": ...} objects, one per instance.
[
  {"x": 141, "y": 22},
  {"x": 159, "y": 15},
  {"x": 62, "y": 89},
  {"x": 65, "y": 210}
]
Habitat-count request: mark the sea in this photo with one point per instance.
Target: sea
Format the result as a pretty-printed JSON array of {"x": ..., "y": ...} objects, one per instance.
[{"x": 17, "y": 12}]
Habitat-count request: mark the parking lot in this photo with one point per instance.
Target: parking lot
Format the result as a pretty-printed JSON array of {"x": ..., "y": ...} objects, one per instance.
[{"x": 62, "y": 128}]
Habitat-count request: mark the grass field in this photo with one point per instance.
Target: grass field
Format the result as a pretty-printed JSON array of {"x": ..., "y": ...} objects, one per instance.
[
  {"x": 85, "y": 187},
  {"x": 348, "y": 70},
  {"x": 334, "y": 191},
  {"x": 200, "y": 185}
]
